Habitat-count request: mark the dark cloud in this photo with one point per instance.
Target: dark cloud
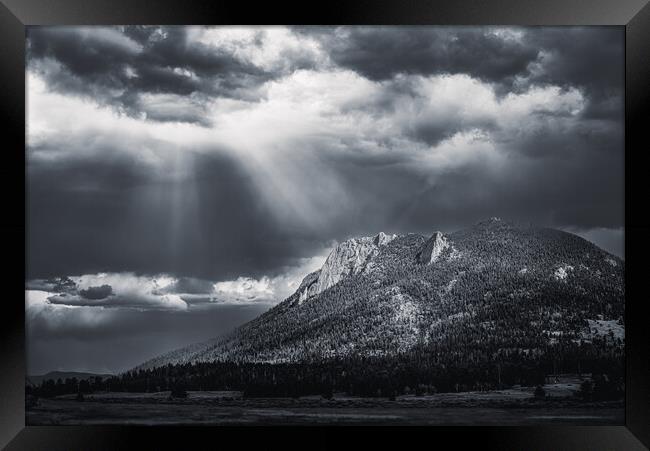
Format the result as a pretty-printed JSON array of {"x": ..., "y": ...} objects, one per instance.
[
  {"x": 118, "y": 65},
  {"x": 588, "y": 57},
  {"x": 191, "y": 285},
  {"x": 433, "y": 132},
  {"x": 148, "y": 302},
  {"x": 584, "y": 142},
  {"x": 380, "y": 53},
  {"x": 591, "y": 57},
  {"x": 95, "y": 293},
  {"x": 542, "y": 191},
  {"x": 612, "y": 240}
]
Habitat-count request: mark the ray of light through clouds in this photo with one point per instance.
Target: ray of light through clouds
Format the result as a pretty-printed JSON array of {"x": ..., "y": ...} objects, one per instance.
[{"x": 184, "y": 179}]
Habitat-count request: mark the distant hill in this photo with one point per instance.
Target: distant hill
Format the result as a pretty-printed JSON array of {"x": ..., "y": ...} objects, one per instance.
[
  {"x": 494, "y": 292},
  {"x": 63, "y": 375}
]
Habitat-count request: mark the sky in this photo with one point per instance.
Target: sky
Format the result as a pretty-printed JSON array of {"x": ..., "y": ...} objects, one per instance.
[{"x": 182, "y": 180}]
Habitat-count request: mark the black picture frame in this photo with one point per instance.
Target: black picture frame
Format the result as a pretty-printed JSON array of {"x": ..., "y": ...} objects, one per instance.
[{"x": 634, "y": 15}]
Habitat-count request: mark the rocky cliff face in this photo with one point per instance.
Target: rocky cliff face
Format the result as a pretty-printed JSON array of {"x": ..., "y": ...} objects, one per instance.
[
  {"x": 308, "y": 286},
  {"x": 348, "y": 258},
  {"x": 433, "y": 248}
]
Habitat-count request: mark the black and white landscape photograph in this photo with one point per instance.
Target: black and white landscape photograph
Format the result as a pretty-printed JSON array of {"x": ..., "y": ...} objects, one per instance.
[{"x": 324, "y": 225}]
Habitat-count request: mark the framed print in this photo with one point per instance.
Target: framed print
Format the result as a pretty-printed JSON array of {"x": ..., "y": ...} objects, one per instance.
[{"x": 363, "y": 219}]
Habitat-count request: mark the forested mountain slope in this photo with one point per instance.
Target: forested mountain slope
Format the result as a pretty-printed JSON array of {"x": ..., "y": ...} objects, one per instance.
[{"x": 494, "y": 292}]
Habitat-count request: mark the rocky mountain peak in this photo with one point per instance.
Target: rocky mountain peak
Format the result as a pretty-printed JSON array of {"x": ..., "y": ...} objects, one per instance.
[
  {"x": 348, "y": 258},
  {"x": 381, "y": 238},
  {"x": 497, "y": 223},
  {"x": 432, "y": 249}
]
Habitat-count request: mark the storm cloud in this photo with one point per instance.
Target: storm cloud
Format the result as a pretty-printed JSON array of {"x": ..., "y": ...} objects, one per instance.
[
  {"x": 228, "y": 160},
  {"x": 590, "y": 57}
]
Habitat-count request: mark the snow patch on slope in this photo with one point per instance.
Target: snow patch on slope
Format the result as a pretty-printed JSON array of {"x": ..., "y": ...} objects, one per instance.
[
  {"x": 405, "y": 316},
  {"x": 562, "y": 272},
  {"x": 599, "y": 328},
  {"x": 406, "y": 311}
]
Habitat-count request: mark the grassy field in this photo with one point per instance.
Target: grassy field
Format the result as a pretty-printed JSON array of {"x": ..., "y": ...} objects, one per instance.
[{"x": 503, "y": 407}]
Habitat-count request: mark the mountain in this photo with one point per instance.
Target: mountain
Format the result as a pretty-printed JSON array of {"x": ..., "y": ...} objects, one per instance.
[
  {"x": 63, "y": 375},
  {"x": 496, "y": 291}
]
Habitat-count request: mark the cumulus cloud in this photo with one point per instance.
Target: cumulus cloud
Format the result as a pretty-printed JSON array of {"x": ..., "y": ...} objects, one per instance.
[
  {"x": 162, "y": 291},
  {"x": 266, "y": 289},
  {"x": 275, "y": 49},
  {"x": 244, "y": 289},
  {"x": 108, "y": 290},
  {"x": 128, "y": 67},
  {"x": 167, "y": 74}
]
